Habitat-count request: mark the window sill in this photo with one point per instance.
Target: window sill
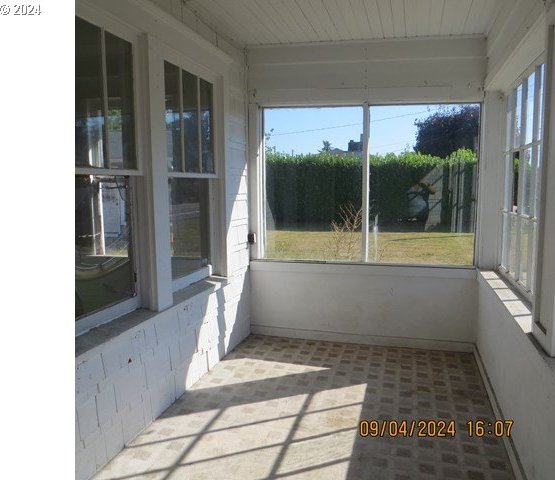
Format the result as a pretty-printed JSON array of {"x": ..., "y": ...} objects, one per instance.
[
  {"x": 102, "y": 334},
  {"x": 515, "y": 304},
  {"x": 360, "y": 268},
  {"x": 516, "y": 307}
]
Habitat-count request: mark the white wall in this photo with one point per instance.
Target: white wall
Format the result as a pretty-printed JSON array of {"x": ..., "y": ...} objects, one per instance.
[
  {"x": 523, "y": 378},
  {"x": 416, "y": 306},
  {"x": 128, "y": 372},
  {"x": 515, "y": 40},
  {"x": 415, "y": 70}
]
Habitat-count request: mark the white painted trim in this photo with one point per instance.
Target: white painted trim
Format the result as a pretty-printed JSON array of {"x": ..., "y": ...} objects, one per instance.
[
  {"x": 525, "y": 37},
  {"x": 346, "y": 97},
  {"x": 490, "y": 168},
  {"x": 217, "y": 185},
  {"x": 544, "y": 306},
  {"x": 498, "y": 414},
  {"x": 156, "y": 179},
  {"x": 192, "y": 175},
  {"x": 106, "y": 315},
  {"x": 256, "y": 169},
  {"x": 108, "y": 172},
  {"x": 364, "y": 269},
  {"x": 193, "y": 277},
  {"x": 365, "y": 180},
  {"x": 422, "y": 343},
  {"x": 375, "y": 50}
]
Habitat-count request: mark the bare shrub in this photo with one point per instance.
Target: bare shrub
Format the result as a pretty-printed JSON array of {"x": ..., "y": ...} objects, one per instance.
[{"x": 344, "y": 242}]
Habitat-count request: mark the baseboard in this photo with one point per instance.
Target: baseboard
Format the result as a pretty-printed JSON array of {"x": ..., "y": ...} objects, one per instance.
[
  {"x": 382, "y": 340},
  {"x": 508, "y": 442}
]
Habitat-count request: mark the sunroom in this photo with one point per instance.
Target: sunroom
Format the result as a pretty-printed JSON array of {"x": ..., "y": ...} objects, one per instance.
[{"x": 315, "y": 239}]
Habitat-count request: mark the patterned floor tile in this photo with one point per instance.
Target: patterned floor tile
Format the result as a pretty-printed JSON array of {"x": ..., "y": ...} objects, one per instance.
[{"x": 288, "y": 408}]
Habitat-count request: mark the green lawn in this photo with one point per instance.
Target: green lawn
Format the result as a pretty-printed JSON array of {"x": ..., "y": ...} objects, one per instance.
[{"x": 392, "y": 247}]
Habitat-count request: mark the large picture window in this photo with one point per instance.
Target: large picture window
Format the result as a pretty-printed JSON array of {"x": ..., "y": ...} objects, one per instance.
[
  {"x": 420, "y": 194},
  {"x": 191, "y": 166},
  {"x": 104, "y": 154},
  {"x": 523, "y": 160}
]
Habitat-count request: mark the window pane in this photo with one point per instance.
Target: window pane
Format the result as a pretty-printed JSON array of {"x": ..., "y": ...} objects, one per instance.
[
  {"x": 518, "y": 117},
  {"x": 525, "y": 167},
  {"x": 313, "y": 183},
  {"x": 103, "y": 270},
  {"x": 509, "y": 121},
  {"x": 173, "y": 121},
  {"x": 89, "y": 118},
  {"x": 189, "y": 220},
  {"x": 513, "y": 245},
  {"x": 206, "y": 127},
  {"x": 530, "y": 108},
  {"x": 524, "y": 245},
  {"x": 532, "y": 256},
  {"x": 190, "y": 122},
  {"x": 537, "y": 181},
  {"x": 506, "y": 241},
  {"x": 120, "y": 122},
  {"x": 423, "y": 196},
  {"x": 515, "y": 183}
]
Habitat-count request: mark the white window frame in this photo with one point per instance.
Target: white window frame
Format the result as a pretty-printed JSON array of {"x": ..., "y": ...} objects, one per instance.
[
  {"x": 124, "y": 31},
  {"x": 508, "y": 213},
  {"x": 215, "y": 180}
]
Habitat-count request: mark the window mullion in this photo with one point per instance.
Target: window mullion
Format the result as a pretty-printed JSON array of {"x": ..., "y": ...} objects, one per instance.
[
  {"x": 105, "y": 99},
  {"x": 535, "y": 152},
  {"x": 521, "y": 167},
  {"x": 199, "y": 127},
  {"x": 365, "y": 180},
  {"x": 181, "y": 120}
]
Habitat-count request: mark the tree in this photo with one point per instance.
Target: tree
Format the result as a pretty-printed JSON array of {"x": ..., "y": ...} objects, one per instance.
[
  {"x": 448, "y": 130},
  {"x": 326, "y": 147},
  {"x": 267, "y": 136}
]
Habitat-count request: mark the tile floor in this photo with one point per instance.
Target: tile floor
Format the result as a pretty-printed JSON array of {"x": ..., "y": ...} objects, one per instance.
[{"x": 286, "y": 408}]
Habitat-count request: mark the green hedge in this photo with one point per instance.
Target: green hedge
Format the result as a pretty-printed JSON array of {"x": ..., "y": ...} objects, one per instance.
[{"x": 311, "y": 189}]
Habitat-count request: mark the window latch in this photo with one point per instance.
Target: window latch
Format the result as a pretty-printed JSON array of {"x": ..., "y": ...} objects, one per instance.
[{"x": 251, "y": 238}]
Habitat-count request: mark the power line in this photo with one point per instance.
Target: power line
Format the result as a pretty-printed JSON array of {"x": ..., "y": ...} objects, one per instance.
[{"x": 353, "y": 124}]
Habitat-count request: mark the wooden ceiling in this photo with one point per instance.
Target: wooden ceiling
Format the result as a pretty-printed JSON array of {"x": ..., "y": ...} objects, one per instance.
[{"x": 267, "y": 22}]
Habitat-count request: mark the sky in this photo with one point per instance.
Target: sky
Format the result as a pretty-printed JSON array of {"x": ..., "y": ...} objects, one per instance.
[{"x": 392, "y": 127}]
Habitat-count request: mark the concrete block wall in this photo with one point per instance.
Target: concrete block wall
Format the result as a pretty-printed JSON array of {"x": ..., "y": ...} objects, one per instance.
[{"x": 123, "y": 384}]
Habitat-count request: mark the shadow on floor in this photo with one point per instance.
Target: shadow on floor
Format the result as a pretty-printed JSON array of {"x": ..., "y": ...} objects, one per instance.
[{"x": 288, "y": 408}]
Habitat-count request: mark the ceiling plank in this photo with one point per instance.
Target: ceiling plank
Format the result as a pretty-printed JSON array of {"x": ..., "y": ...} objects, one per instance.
[
  {"x": 436, "y": 16},
  {"x": 398, "y": 17},
  {"x": 450, "y": 12},
  {"x": 384, "y": 8},
  {"x": 373, "y": 15},
  {"x": 305, "y": 21},
  {"x": 338, "y": 19},
  {"x": 290, "y": 32},
  {"x": 323, "y": 20},
  {"x": 356, "y": 12}
]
